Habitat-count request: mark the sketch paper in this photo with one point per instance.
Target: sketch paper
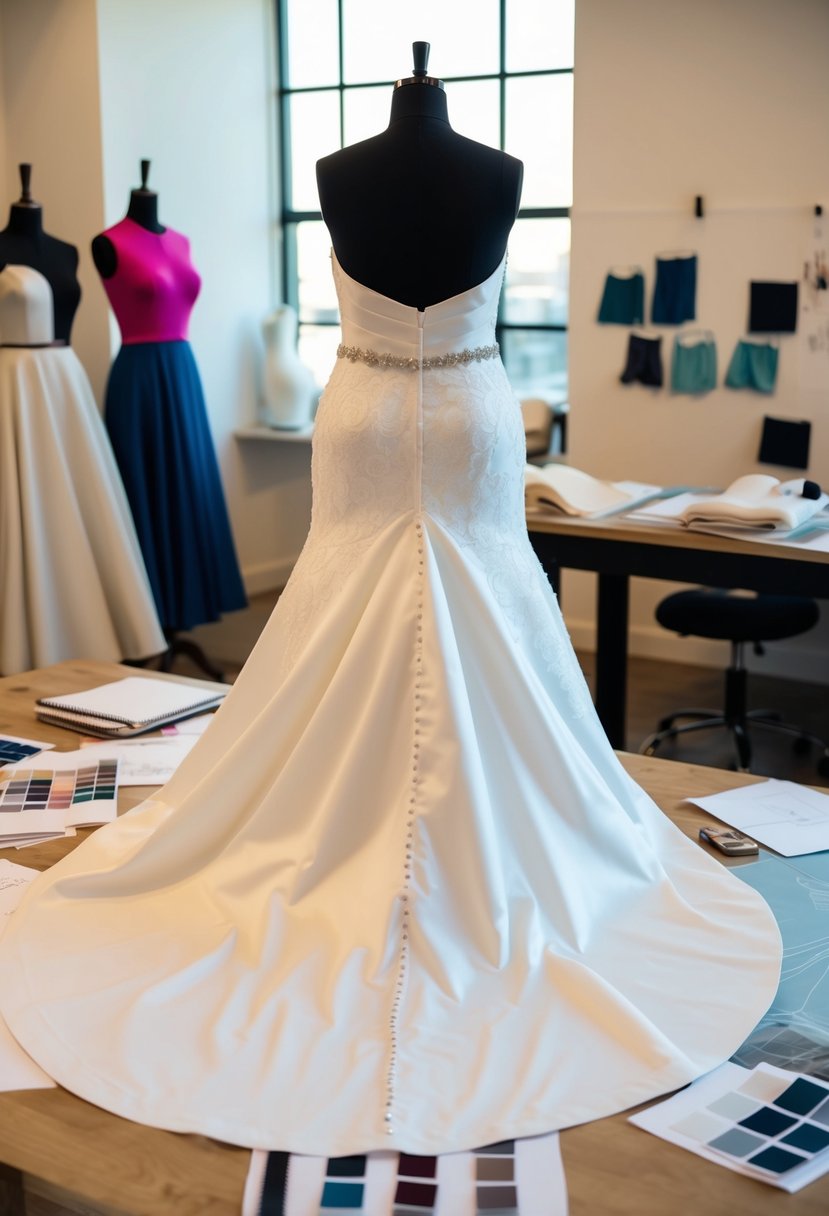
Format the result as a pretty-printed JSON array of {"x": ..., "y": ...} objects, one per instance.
[{"x": 789, "y": 818}]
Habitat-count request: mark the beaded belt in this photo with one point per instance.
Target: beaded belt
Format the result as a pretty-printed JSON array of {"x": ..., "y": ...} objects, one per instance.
[{"x": 374, "y": 358}]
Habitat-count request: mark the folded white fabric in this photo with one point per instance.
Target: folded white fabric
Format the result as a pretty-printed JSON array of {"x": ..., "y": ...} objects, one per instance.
[
  {"x": 756, "y": 502},
  {"x": 560, "y": 487}
]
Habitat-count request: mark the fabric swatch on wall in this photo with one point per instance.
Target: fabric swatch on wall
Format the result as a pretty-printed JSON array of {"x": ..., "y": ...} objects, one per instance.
[
  {"x": 623, "y": 299},
  {"x": 785, "y": 442},
  {"x": 694, "y": 363},
  {"x": 753, "y": 365},
  {"x": 644, "y": 361},
  {"x": 773, "y": 308},
  {"x": 675, "y": 290}
]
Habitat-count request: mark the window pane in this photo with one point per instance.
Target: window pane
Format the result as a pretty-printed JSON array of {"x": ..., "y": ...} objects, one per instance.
[
  {"x": 475, "y": 110},
  {"x": 317, "y": 348},
  {"x": 366, "y": 112},
  {"x": 315, "y": 131},
  {"x": 536, "y": 363},
  {"x": 378, "y": 38},
  {"x": 539, "y": 34},
  {"x": 540, "y": 132},
  {"x": 317, "y": 297},
  {"x": 313, "y": 51},
  {"x": 538, "y": 273}
]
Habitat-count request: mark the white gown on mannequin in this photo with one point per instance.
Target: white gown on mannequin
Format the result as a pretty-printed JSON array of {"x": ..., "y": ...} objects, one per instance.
[
  {"x": 402, "y": 895},
  {"x": 72, "y": 579}
]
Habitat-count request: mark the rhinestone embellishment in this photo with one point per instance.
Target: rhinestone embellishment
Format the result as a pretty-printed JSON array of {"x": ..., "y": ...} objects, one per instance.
[{"x": 374, "y": 358}]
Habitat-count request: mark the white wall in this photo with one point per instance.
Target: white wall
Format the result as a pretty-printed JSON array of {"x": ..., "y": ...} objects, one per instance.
[
  {"x": 672, "y": 100},
  {"x": 51, "y": 115},
  {"x": 4, "y": 192},
  {"x": 89, "y": 88},
  {"x": 189, "y": 86}
]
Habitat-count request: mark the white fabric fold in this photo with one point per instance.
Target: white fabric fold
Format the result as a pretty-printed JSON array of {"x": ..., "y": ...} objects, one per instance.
[{"x": 402, "y": 873}]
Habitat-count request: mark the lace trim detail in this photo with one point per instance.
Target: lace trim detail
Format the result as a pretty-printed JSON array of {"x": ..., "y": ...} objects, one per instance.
[{"x": 375, "y": 358}]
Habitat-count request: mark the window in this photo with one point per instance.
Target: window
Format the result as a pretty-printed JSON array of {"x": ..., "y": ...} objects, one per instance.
[{"x": 508, "y": 68}]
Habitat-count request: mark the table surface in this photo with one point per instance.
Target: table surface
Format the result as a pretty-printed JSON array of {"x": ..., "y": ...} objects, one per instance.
[
  {"x": 619, "y": 528},
  {"x": 117, "y": 1168}
]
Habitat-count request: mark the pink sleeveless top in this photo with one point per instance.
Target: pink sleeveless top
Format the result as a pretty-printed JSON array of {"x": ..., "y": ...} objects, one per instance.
[{"x": 155, "y": 285}]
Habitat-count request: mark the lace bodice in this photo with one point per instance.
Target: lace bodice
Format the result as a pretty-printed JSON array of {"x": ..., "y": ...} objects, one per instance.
[{"x": 447, "y": 443}]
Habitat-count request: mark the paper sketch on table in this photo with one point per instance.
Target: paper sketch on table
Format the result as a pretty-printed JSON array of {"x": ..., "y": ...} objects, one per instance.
[
  {"x": 14, "y": 880},
  {"x": 144, "y": 761},
  {"x": 789, "y": 818},
  {"x": 17, "y": 1069}
]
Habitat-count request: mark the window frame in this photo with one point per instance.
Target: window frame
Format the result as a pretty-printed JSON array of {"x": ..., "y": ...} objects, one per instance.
[{"x": 290, "y": 218}]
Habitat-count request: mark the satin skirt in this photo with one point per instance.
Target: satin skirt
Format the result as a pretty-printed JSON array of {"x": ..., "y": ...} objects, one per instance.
[
  {"x": 72, "y": 579},
  {"x": 402, "y": 894},
  {"x": 157, "y": 422}
]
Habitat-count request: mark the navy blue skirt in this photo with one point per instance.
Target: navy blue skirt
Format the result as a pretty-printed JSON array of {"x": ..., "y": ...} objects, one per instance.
[{"x": 157, "y": 421}]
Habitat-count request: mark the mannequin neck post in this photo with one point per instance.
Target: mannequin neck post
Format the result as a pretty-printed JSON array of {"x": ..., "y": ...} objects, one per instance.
[
  {"x": 26, "y": 220},
  {"x": 419, "y": 101},
  {"x": 143, "y": 210}
]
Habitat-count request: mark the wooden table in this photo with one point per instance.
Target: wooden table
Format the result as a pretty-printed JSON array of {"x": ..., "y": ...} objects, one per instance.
[
  {"x": 52, "y": 1143},
  {"x": 617, "y": 549}
]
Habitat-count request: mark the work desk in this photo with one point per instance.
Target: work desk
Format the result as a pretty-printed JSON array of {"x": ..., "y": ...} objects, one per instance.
[
  {"x": 617, "y": 549},
  {"x": 54, "y": 1144}
]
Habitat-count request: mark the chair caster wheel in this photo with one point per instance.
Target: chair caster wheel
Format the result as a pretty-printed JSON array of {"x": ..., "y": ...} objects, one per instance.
[{"x": 801, "y": 746}]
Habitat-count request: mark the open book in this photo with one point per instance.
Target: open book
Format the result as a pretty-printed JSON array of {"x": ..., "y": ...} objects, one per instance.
[
  {"x": 756, "y": 502},
  {"x": 561, "y": 488},
  {"x": 130, "y": 706}
]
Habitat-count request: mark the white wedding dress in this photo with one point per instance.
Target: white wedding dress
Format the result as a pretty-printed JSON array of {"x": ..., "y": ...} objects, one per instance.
[
  {"x": 72, "y": 579},
  {"x": 402, "y": 895}
]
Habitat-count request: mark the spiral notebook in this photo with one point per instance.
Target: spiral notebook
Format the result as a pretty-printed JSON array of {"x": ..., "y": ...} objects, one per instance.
[{"x": 130, "y": 706}]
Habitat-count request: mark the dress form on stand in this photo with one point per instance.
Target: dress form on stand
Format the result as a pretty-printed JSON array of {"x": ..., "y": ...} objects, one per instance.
[
  {"x": 398, "y": 205},
  {"x": 290, "y": 391},
  {"x": 157, "y": 419},
  {"x": 24, "y": 242},
  {"x": 72, "y": 577}
]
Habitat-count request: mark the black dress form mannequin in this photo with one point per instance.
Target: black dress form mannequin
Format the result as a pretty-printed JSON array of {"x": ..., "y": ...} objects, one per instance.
[
  {"x": 143, "y": 209},
  {"x": 419, "y": 213},
  {"x": 24, "y": 243},
  {"x": 136, "y": 441}
]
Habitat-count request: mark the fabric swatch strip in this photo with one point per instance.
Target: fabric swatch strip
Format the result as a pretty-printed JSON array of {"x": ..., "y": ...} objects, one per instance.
[
  {"x": 772, "y": 308},
  {"x": 644, "y": 361},
  {"x": 416, "y": 1187},
  {"x": 675, "y": 290},
  {"x": 753, "y": 365},
  {"x": 623, "y": 299},
  {"x": 510, "y": 1178},
  {"x": 694, "y": 364}
]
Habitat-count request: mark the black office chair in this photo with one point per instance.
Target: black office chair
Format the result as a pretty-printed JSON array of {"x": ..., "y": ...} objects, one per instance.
[{"x": 737, "y": 618}]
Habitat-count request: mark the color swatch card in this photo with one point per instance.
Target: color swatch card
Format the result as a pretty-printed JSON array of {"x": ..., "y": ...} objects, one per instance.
[
  {"x": 47, "y": 797},
  {"x": 13, "y": 749},
  {"x": 512, "y": 1178},
  {"x": 765, "y": 1122}
]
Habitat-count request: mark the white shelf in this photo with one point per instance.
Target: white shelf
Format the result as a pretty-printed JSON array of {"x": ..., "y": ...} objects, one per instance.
[{"x": 274, "y": 434}]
